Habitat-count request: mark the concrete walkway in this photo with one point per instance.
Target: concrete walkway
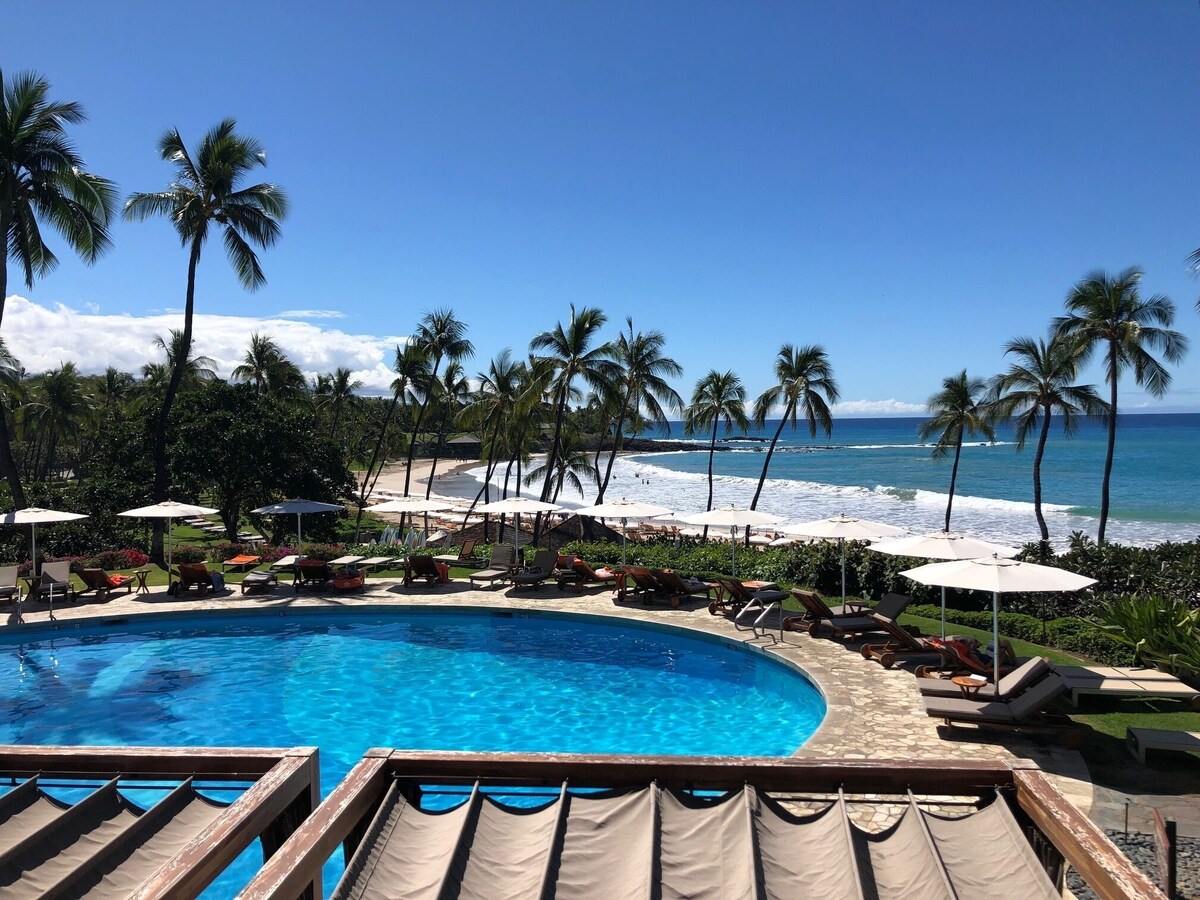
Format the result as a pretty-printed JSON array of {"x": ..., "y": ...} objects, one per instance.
[{"x": 873, "y": 713}]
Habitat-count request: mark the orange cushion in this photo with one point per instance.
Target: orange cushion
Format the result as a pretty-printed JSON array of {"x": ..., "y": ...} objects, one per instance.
[
  {"x": 242, "y": 560},
  {"x": 118, "y": 580}
]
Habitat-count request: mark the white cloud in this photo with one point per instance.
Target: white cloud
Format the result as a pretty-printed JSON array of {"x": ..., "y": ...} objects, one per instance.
[
  {"x": 890, "y": 407},
  {"x": 312, "y": 314},
  {"x": 42, "y": 337}
]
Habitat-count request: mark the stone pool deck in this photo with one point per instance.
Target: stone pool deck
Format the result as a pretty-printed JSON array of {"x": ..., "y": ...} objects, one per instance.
[{"x": 873, "y": 713}]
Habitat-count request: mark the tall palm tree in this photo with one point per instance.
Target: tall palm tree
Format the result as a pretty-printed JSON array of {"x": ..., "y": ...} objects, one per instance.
[
  {"x": 452, "y": 392},
  {"x": 42, "y": 177},
  {"x": 718, "y": 396},
  {"x": 441, "y": 336},
  {"x": 641, "y": 372},
  {"x": 958, "y": 409},
  {"x": 60, "y": 407},
  {"x": 262, "y": 355},
  {"x": 1108, "y": 313},
  {"x": 803, "y": 381},
  {"x": 1036, "y": 386},
  {"x": 196, "y": 370},
  {"x": 571, "y": 466},
  {"x": 206, "y": 195},
  {"x": 571, "y": 353},
  {"x": 342, "y": 388}
]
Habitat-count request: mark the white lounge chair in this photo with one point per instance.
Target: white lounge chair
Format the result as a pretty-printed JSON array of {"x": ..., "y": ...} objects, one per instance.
[{"x": 1139, "y": 740}]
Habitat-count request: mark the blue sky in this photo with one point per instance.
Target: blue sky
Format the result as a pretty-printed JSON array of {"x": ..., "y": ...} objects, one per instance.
[{"x": 908, "y": 184}]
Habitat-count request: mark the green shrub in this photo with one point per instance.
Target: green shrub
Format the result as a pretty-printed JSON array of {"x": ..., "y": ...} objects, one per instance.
[{"x": 1162, "y": 631}]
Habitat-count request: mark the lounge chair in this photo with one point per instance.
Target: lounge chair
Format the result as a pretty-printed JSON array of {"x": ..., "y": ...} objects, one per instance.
[
  {"x": 540, "y": 571},
  {"x": 348, "y": 562},
  {"x": 1027, "y": 710},
  {"x": 1105, "y": 681},
  {"x": 313, "y": 573},
  {"x": 241, "y": 561},
  {"x": 193, "y": 575},
  {"x": 734, "y": 596},
  {"x": 285, "y": 563},
  {"x": 499, "y": 567},
  {"x": 961, "y": 655},
  {"x": 1013, "y": 684},
  {"x": 642, "y": 584},
  {"x": 464, "y": 557},
  {"x": 816, "y": 609},
  {"x": 891, "y": 606},
  {"x": 901, "y": 644},
  {"x": 259, "y": 582},
  {"x": 102, "y": 584},
  {"x": 1139, "y": 740},
  {"x": 581, "y": 574},
  {"x": 55, "y": 581},
  {"x": 379, "y": 563},
  {"x": 679, "y": 587},
  {"x": 420, "y": 566},
  {"x": 10, "y": 587},
  {"x": 347, "y": 579}
]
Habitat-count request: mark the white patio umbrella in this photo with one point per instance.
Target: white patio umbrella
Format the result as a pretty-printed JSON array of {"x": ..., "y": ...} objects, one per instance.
[
  {"x": 843, "y": 528},
  {"x": 298, "y": 508},
  {"x": 943, "y": 545},
  {"x": 1000, "y": 576},
  {"x": 34, "y": 516},
  {"x": 411, "y": 505},
  {"x": 515, "y": 506},
  {"x": 734, "y": 517},
  {"x": 168, "y": 509},
  {"x": 624, "y": 510}
]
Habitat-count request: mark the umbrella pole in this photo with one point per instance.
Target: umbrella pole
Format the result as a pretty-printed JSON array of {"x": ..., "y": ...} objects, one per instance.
[
  {"x": 842, "y": 541},
  {"x": 624, "y": 526},
  {"x": 996, "y": 639},
  {"x": 943, "y": 612},
  {"x": 733, "y": 547},
  {"x": 33, "y": 532},
  {"x": 299, "y": 539},
  {"x": 168, "y": 552}
]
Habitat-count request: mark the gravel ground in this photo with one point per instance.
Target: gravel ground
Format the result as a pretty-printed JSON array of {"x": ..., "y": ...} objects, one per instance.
[{"x": 1140, "y": 849}]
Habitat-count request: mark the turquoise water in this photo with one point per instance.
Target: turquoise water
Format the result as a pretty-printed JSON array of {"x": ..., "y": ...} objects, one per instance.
[
  {"x": 877, "y": 468},
  {"x": 427, "y": 681}
]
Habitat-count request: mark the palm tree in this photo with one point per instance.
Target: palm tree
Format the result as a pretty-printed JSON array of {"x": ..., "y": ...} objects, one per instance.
[
  {"x": 342, "y": 387},
  {"x": 717, "y": 396},
  {"x": 261, "y": 357},
  {"x": 641, "y": 371},
  {"x": 571, "y": 466},
  {"x": 42, "y": 177},
  {"x": 196, "y": 370},
  {"x": 804, "y": 380},
  {"x": 441, "y": 336},
  {"x": 452, "y": 391},
  {"x": 1033, "y": 389},
  {"x": 570, "y": 354},
  {"x": 958, "y": 408},
  {"x": 60, "y": 407},
  {"x": 1108, "y": 313},
  {"x": 204, "y": 194}
]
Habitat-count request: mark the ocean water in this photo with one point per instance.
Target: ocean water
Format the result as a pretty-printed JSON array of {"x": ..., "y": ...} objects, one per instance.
[{"x": 878, "y": 469}]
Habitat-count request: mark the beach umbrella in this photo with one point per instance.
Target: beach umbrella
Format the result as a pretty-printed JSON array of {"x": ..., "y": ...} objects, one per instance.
[
  {"x": 297, "y": 507},
  {"x": 843, "y": 528},
  {"x": 734, "y": 517},
  {"x": 168, "y": 509},
  {"x": 515, "y": 506},
  {"x": 943, "y": 545},
  {"x": 624, "y": 510},
  {"x": 34, "y": 516},
  {"x": 999, "y": 576},
  {"x": 411, "y": 505}
]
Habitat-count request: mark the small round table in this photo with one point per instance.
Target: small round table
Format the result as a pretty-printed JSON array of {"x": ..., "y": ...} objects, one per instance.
[
  {"x": 968, "y": 684},
  {"x": 140, "y": 575}
]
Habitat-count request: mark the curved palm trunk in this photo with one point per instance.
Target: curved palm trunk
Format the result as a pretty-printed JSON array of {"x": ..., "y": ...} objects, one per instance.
[
  {"x": 1037, "y": 473},
  {"x": 767, "y": 462},
  {"x": 953, "y": 477},
  {"x": 412, "y": 445},
  {"x": 712, "y": 449},
  {"x": 616, "y": 446},
  {"x": 1112, "y": 443},
  {"x": 7, "y": 462},
  {"x": 544, "y": 496},
  {"x": 161, "y": 487},
  {"x": 363, "y": 493}
]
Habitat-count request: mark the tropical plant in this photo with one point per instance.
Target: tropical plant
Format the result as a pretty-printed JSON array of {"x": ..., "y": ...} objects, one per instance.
[
  {"x": 571, "y": 466},
  {"x": 958, "y": 409},
  {"x": 341, "y": 393},
  {"x": 1036, "y": 386},
  {"x": 60, "y": 406},
  {"x": 803, "y": 381},
  {"x": 43, "y": 178},
  {"x": 205, "y": 195},
  {"x": 640, "y": 376},
  {"x": 570, "y": 352},
  {"x": 1162, "y": 632},
  {"x": 718, "y": 396},
  {"x": 196, "y": 370},
  {"x": 1107, "y": 313},
  {"x": 270, "y": 371}
]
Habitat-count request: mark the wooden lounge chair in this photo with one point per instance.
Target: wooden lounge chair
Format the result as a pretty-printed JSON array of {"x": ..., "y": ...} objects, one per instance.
[
  {"x": 581, "y": 574},
  {"x": 421, "y": 566},
  {"x": 959, "y": 655},
  {"x": 55, "y": 581},
  {"x": 1139, "y": 740},
  {"x": 1106, "y": 681},
  {"x": 10, "y": 587},
  {"x": 679, "y": 587},
  {"x": 733, "y": 595},
  {"x": 102, "y": 584},
  {"x": 816, "y": 609},
  {"x": 641, "y": 584},
  {"x": 314, "y": 573},
  {"x": 193, "y": 575},
  {"x": 241, "y": 561},
  {"x": 901, "y": 644},
  {"x": 891, "y": 606},
  {"x": 539, "y": 572},
  {"x": 464, "y": 557},
  {"x": 499, "y": 567},
  {"x": 1027, "y": 710},
  {"x": 1014, "y": 683}
]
